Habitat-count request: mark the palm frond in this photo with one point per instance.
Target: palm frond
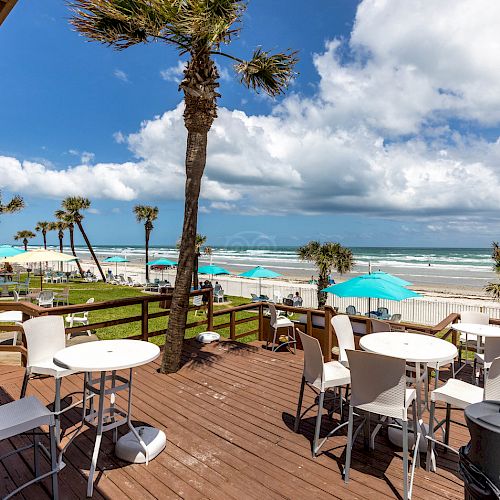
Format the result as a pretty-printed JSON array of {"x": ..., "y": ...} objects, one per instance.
[
  {"x": 14, "y": 205},
  {"x": 271, "y": 73},
  {"x": 25, "y": 233},
  {"x": 493, "y": 289}
]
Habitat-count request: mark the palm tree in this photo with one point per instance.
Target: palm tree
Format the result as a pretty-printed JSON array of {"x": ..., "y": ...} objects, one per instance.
[
  {"x": 60, "y": 227},
  {"x": 494, "y": 288},
  {"x": 196, "y": 29},
  {"x": 326, "y": 257},
  {"x": 14, "y": 205},
  {"x": 24, "y": 235},
  {"x": 74, "y": 205},
  {"x": 146, "y": 214},
  {"x": 208, "y": 251},
  {"x": 43, "y": 227},
  {"x": 69, "y": 221}
]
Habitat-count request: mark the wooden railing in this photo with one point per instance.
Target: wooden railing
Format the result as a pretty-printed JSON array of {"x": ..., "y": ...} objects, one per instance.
[{"x": 257, "y": 321}]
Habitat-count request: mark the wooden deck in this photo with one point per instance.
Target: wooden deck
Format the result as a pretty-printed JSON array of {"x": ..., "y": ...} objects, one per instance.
[{"x": 228, "y": 416}]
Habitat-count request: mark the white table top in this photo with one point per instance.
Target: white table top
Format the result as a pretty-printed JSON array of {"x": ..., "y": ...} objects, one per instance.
[
  {"x": 11, "y": 316},
  {"x": 106, "y": 355},
  {"x": 477, "y": 329},
  {"x": 409, "y": 346}
]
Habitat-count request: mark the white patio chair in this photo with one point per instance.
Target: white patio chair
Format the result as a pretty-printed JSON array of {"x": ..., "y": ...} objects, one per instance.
[
  {"x": 345, "y": 336},
  {"x": 276, "y": 322},
  {"x": 63, "y": 297},
  {"x": 46, "y": 299},
  {"x": 219, "y": 295},
  {"x": 351, "y": 310},
  {"x": 458, "y": 394},
  {"x": 21, "y": 417},
  {"x": 378, "y": 386},
  {"x": 197, "y": 302},
  {"x": 320, "y": 377},
  {"x": 377, "y": 325},
  {"x": 469, "y": 340},
  {"x": 79, "y": 318},
  {"x": 44, "y": 337},
  {"x": 484, "y": 359},
  {"x": 24, "y": 287},
  {"x": 395, "y": 318}
]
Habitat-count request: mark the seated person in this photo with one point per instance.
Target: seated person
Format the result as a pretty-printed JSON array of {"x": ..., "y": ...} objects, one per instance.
[
  {"x": 297, "y": 300},
  {"x": 217, "y": 287}
]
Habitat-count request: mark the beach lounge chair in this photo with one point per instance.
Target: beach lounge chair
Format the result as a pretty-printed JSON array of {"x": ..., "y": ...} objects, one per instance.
[{"x": 351, "y": 310}]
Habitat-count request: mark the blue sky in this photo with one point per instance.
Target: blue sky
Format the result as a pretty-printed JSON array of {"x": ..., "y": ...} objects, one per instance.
[{"x": 389, "y": 135}]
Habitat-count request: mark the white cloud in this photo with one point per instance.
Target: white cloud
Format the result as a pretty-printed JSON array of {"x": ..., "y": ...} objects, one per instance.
[
  {"x": 377, "y": 137},
  {"x": 174, "y": 73},
  {"x": 121, "y": 75}
]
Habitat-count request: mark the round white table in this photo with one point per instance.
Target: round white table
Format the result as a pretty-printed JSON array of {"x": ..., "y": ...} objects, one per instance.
[
  {"x": 477, "y": 329},
  {"x": 106, "y": 356},
  {"x": 11, "y": 317}
]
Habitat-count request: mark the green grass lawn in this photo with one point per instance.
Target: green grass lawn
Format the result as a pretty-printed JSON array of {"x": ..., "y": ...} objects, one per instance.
[{"x": 81, "y": 291}]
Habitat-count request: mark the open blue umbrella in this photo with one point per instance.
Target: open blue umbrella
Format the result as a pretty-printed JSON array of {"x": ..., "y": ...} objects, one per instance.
[
  {"x": 391, "y": 278},
  {"x": 9, "y": 251},
  {"x": 116, "y": 259},
  {"x": 212, "y": 270},
  {"x": 371, "y": 286},
  {"x": 260, "y": 272}
]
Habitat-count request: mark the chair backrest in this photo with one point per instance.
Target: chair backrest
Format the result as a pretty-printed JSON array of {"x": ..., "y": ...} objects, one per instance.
[
  {"x": 345, "y": 336},
  {"x": 396, "y": 318},
  {"x": 65, "y": 291},
  {"x": 274, "y": 316},
  {"x": 313, "y": 358},
  {"x": 379, "y": 326},
  {"x": 351, "y": 310},
  {"x": 474, "y": 317},
  {"x": 491, "y": 349},
  {"x": 46, "y": 297},
  {"x": 44, "y": 337},
  {"x": 492, "y": 383},
  {"x": 378, "y": 383},
  {"x": 383, "y": 310},
  {"x": 16, "y": 296}
]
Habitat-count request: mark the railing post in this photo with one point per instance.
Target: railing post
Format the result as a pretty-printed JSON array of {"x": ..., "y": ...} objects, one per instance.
[
  {"x": 210, "y": 310},
  {"x": 232, "y": 326},
  {"x": 144, "y": 320},
  {"x": 328, "y": 344},
  {"x": 261, "y": 322}
]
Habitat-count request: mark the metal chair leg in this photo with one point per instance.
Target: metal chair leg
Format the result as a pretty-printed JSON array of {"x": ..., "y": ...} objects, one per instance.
[
  {"x": 415, "y": 433},
  {"x": 430, "y": 442},
  {"x": 53, "y": 463},
  {"x": 318, "y": 422},
  {"x": 405, "y": 459},
  {"x": 447, "y": 425},
  {"x": 57, "y": 409},
  {"x": 25, "y": 383},
  {"x": 349, "y": 444},
  {"x": 299, "y": 405}
]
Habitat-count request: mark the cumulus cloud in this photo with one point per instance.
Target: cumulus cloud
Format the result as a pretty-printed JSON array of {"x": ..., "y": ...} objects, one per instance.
[{"x": 379, "y": 136}]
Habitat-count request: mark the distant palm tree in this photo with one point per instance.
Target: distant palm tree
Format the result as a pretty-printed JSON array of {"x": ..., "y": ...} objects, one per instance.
[
  {"x": 14, "y": 205},
  {"x": 494, "y": 288},
  {"x": 199, "y": 242},
  {"x": 60, "y": 227},
  {"x": 146, "y": 214},
  {"x": 24, "y": 235},
  {"x": 196, "y": 29},
  {"x": 43, "y": 227},
  {"x": 326, "y": 257},
  {"x": 209, "y": 251},
  {"x": 68, "y": 220},
  {"x": 74, "y": 205}
]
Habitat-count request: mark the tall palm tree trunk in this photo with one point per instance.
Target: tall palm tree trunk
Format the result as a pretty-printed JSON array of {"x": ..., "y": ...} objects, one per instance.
[
  {"x": 148, "y": 232},
  {"x": 322, "y": 296},
  {"x": 25, "y": 242},
  {"x": 195, "y": 165},
  {"x": 91, "y": 250},
  {"x": 71, "y": 229},
  {"x": 44, "y": 234},
  {"x": 61, "y": 236}
]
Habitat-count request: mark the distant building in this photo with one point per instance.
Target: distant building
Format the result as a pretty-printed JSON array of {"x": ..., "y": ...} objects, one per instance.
[{"x": 5, "y": 8}]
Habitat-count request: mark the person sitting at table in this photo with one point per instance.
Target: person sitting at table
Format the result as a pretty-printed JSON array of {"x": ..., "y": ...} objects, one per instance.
[
  {"x": 297, "y": 300},
  {"x": 217, "y": 287}
]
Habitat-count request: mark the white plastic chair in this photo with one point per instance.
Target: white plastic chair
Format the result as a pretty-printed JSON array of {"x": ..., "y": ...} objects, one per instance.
[
  {"x": 79, "y": 318},
  {"x": 219, "y": 295},
  {"x": 276, "y": 322},
  {"x": 345, "y": 336},
  {"x": 20, "y": 417},
  {"x": 351, "y": 310},
  {"x": 468, "y": 339},
  {"x": 320, "y": 377},
  {"x": 484, "y": 359},
  {"x": 197, "y": 302},
  {"x": 458, "y": 394},
  {"x": 378, "y": 386},
  {"x": 46, "y": 299},
  {"x": 44, "y": 337}
]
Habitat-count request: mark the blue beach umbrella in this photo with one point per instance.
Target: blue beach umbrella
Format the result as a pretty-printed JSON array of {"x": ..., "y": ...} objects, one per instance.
[
  {"x": 391, "y": 278},
  {"x": 260, "y": 272},
  {"x": 9, "y": 251},
  {"x": 214, "y": 270},
  {"x": 116, "y": 259},
  {"x": 371, "y": 286}
]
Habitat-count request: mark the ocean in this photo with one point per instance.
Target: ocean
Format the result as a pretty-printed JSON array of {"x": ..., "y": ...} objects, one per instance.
[{"x": 451, "y": 266}]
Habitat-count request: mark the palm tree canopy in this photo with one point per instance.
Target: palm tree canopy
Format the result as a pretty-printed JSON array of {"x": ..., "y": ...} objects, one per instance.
[
  {"x": 146, "y": 214},
  {"x": 74, "y": 205},
  {"x": 43, "y": 226},
  {"x": 25, "y": 233},
  {"x": 327, "y": 256},
  {"x": 14, "y": 205},
  {"x": 199, "y": 242},
  {"x": 191, "y": 26},
  {"x": 64, "y": 217}
]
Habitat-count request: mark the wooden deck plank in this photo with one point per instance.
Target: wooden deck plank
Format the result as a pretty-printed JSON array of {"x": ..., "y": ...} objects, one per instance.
[{"x": 228, "y": 415}]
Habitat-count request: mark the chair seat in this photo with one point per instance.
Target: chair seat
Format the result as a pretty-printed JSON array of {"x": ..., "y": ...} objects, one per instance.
[
  {"x": 282, "y": 321},
  {"x": 458, "y": 393},
  {"x": 48, "y": 367},
  {"x": 335, "y": 375},
  {"x": 23, "y": 415}
]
